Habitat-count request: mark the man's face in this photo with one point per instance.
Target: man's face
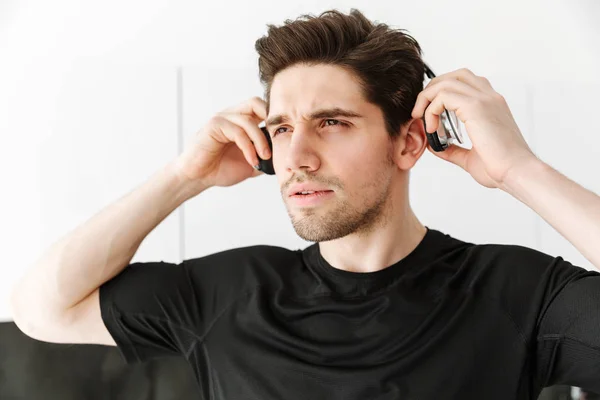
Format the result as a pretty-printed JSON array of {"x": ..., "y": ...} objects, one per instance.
[{"x": 353, "y": 160}]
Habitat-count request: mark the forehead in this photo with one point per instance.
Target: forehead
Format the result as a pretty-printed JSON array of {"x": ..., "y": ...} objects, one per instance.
[{"x": 307, "y": 87}]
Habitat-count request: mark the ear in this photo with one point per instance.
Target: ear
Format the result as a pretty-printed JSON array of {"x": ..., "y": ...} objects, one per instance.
[{"x": 411, "y": 144}]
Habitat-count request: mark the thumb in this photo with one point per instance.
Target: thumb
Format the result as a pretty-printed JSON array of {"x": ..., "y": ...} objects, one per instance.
[{"x": 455, "y": 154}]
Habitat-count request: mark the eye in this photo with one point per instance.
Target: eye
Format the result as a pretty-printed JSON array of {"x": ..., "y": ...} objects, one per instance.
[
  {"x": 277, "y": 131},
  {"x": 337, "y": 123}
]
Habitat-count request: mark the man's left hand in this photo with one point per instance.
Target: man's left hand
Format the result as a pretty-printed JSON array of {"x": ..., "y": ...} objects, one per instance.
[{"x": 498, "y": 145}]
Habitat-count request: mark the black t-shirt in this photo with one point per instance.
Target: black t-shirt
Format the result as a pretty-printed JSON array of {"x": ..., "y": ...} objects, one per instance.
[{"x": 452, "y": 320}]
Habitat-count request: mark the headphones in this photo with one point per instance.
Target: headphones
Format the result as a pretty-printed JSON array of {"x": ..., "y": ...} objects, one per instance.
[
  {"x": 266, "y": 166},
  {"x": 447, "y": 132}
]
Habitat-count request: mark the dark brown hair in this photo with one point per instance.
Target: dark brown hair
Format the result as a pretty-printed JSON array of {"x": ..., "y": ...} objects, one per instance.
[{"x": 386, "y": 61}]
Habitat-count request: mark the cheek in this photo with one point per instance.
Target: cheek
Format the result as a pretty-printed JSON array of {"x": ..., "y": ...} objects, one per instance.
[
  {"x": 359, "y": 176},
  {"x": 366, "y": 163},
  {"x": 372, "y": 172}
]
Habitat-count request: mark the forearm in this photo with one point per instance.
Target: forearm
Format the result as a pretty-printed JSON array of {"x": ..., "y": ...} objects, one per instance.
[
  {"x": 568, "y": 207},
  {"x": 100, "y": 248}
]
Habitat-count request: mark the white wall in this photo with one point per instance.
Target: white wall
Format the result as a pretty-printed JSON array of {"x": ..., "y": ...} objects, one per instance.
[{"x": 96, "y": 96}]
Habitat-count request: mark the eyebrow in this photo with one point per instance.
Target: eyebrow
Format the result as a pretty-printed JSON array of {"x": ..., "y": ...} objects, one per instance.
[{"x": 318, "y": 114}]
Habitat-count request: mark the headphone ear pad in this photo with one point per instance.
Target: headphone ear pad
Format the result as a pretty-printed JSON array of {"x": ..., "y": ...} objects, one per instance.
[{"x": 433, "y": 139}]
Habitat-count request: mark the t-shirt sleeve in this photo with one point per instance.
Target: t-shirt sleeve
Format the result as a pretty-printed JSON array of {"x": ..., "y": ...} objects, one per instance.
[
  {"x": 155, "y": 309},
  {"x": 568, "y": 327}
]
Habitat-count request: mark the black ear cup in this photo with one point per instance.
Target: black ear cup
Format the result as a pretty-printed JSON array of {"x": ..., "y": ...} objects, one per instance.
[
  {"x": 434, "y": 140},
  {"x": 266, "y": 166}
]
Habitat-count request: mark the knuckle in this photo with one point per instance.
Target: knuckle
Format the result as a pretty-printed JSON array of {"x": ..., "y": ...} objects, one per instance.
[
  {"x": 215, "y": 120},
  {"x": 256, "y": 101},
  {"x": 491, "y": 98},
  {"x": 499, "y": 97},
  {"x": 445, "y": 85}
]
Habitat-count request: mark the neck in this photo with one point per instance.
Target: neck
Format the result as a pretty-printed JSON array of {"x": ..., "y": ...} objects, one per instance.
[{"x": 391, "y": 239}]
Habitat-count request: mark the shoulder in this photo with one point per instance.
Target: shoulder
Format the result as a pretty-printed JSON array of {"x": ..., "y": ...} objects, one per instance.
[
  {"x": 521, "y": 280},
  {"x": 244, "y": 266},
  {"x": 240, "y": 256},
  {"x": 519, "y": 264}
]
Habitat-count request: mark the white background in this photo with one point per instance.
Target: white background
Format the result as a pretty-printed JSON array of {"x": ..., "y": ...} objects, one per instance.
[{"x": 97, "y": 96}]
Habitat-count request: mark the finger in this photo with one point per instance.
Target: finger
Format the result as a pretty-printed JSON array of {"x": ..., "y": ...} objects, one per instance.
[
  {"x": 254, "y": 132},
  {"x": 235, "y": 133},
  {"x": 455, "y": 154},
  {"x": 427, "y": 95},
  {"x": 448, "y": 100},
  {"x": 255, "y": 106},
  {"x": 466, "y": 76}
]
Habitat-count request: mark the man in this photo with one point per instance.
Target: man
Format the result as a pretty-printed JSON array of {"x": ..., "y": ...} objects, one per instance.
[{"x": 380, "y": 306}]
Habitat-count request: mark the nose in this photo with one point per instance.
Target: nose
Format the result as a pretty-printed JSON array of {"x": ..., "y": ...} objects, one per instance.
[{"x": 301, "y": 150}]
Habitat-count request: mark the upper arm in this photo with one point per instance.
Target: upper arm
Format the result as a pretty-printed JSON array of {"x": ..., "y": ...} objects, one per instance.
[
  {"x": 153, "y": 309},
  {"x": 86, "y": 324},
  {"x": 80, "y": 324}
]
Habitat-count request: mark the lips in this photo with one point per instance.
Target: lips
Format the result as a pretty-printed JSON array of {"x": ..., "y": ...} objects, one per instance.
[
  {"x": 306, "y": 187},
  {"x": 311, "y": 192},
  {"x": 314, "y": 199}
]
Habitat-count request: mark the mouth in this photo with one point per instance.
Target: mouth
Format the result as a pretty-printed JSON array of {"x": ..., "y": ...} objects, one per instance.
[
  {"x": 311, "y": 198},
  {"x": 310, "y": 193}
]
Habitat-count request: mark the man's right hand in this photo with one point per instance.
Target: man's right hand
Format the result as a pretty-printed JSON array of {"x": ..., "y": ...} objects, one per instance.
[{"x": 225, "y": 149}]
